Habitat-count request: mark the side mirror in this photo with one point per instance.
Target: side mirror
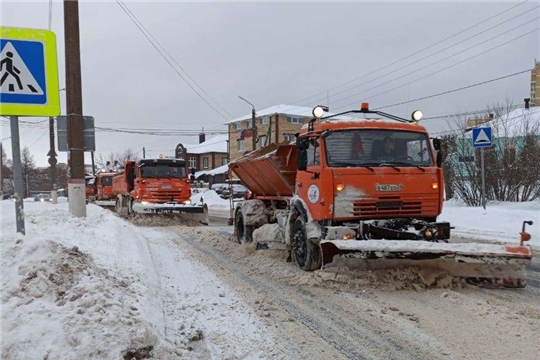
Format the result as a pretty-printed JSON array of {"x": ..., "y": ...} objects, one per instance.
[
  {"x": 301, "y": 160},
  {"x": 302, "y": 143},
  {"x": 437, "y": 144},
  {"x": 439, "y": 158}
]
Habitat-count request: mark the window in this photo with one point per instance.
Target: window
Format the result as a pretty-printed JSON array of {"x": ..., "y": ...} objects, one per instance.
[
  {"x": 288, "y": 137},
  {"x": 205, "y": 163},
  {"x": 265, "y": 120},
  {"x": 224, "y": 161},
  {"x": 262, "y": 140},
  {"x": 294, "y": 120},
  {"x": 378, "y": 147},
  {"x": 314, "y": 153},
  {"x": 237, "y": 125},
  {"x": 193, "y": 162},
  {"x": 248, "y": 122},
  {"x": 240, "y": 145}
]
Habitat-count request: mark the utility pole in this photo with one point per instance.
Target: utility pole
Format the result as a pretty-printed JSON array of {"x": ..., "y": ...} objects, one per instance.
[
  {"x": 53, "y": 173},
  {"x": 75, "y": 122},
  {"x": 253, "y": 127},
  {"x": 143, "y": 153}
]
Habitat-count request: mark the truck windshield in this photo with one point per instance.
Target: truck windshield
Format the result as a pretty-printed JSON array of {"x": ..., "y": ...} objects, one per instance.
[
  {"x": 106, "y": 180},
  {"x": 163, "y": 171},
  {"x": 357, "y": 148}
]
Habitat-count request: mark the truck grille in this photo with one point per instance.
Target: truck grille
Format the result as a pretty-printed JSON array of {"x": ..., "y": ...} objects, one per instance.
[
  {"x": 394, "y": 206},
  {"x": 166, "y": 195}
]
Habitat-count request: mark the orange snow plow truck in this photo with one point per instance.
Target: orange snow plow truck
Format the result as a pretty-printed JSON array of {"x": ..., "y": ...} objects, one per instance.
[
  {"x": 105, "y": 194},
  {"x": 156, "y": 186},
  {"x": 363, "y": 193}
]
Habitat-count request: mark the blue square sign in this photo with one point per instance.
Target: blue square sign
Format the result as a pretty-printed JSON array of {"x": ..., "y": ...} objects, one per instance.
[{"x": 481, "y": 137}]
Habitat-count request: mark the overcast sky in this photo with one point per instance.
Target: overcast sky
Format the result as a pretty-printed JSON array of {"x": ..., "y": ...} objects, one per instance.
[{"x": 279, "y": 53}]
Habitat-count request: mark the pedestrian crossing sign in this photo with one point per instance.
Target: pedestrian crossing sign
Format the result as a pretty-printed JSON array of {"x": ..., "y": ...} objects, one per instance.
[
  {"x": 28, "y": 73},
  {"x": 481, "y": 137}
]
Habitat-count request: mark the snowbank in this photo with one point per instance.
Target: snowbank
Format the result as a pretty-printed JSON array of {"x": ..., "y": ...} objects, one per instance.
[
  {"x": 102, "y": 288},
  {"x": 212, "y": 199},
  {"x": 500, "y": 222}
]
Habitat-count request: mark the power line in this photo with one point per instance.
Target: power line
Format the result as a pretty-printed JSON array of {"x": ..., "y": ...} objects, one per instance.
[
  {"x": 173, "y": 59},
  {"x": 454, "y": 90},
  {"x": 436, "y": 53},
  {"x": 412, "y": 54},
  {"x": 148, "y": 37},
  {"x": 443, "y": 69},
  {"x": 438, "y": 61}
]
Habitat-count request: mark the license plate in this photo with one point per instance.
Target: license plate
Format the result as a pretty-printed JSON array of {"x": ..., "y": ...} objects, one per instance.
[
  {"x": 388, "y": 187},
  {"x": 167, "y": 187}
]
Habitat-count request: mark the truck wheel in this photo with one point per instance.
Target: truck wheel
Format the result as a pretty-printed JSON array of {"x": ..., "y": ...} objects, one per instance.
[
  {"x": 244, "y": 233},
  {"x": 306, "y": 253}
]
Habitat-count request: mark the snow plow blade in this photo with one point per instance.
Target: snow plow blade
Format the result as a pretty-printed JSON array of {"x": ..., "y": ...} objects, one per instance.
[
  {"x": 171, "y": 214},
  {"x": 500, "y": 265}
]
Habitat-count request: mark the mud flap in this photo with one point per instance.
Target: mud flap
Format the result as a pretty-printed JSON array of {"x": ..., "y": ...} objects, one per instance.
[{"x": 496, "y": 264}]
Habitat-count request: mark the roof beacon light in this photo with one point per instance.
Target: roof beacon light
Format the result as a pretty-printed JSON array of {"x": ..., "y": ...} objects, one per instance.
[
  {"x": 318, "y": 112},
  {"x": 364, "y": 107},
  {"x": 417, "y": 115}
]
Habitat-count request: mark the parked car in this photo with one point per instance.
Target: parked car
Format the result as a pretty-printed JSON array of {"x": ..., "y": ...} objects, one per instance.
[
  {"x": 43, "y": 197},
  {"x": 238, "y": 191},
  {"x": 218, "y": 188}
]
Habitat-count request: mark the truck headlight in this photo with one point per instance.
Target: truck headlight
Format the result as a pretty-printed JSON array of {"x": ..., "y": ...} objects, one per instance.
[{"x": 187, "y": 202}]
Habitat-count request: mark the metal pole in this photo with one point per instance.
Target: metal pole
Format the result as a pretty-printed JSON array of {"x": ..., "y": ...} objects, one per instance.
[
  {"x": 483, "y": 178},
  {"x": 143, "y": 153},
  {"x": 17, "y": 174},
  {"x": 93, "y": 165},
  {"x": 52, "y": 161},
  {"x": 253, "y": 130},
  {"x": 75, "y": 122},
  {"x": 1, "y": 166}
]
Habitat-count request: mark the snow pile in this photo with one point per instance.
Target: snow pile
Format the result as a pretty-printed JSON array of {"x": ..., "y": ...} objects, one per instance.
[
  {"x": 59, "y": 301},
  {"x": 500, "y": 223},
  {"x": 101, "y": 288},
  {"x": 211, "y": 199}
]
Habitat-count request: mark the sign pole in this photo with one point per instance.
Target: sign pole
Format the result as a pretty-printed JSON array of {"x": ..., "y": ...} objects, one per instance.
[
  {"x": 483, "y": 178},
  {"x": 17, "y": 174}
]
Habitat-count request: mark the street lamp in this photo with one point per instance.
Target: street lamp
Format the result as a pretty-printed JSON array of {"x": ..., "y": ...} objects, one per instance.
[{"x": 253, "y": 127}]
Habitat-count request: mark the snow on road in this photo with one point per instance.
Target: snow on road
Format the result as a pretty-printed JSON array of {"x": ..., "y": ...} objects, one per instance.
[{"x": 101, "y": 288}]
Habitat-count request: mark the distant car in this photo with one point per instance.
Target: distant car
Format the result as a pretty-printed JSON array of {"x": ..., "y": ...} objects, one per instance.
[
  {"x": 43, "y": 197},
  {"x": 218, "y": 188},
  {"x": 238, "y": 191}
]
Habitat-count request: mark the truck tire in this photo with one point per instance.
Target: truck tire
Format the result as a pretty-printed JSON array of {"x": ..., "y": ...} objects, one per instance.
[
  {"x": 244, "y": 233},
  {"x": 306, "y": 253}
]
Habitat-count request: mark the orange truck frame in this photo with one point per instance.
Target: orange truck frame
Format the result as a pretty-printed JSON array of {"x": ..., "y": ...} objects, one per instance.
[
  {"x": 357, "y": 189},
  {"x": 155, "y": 186}
]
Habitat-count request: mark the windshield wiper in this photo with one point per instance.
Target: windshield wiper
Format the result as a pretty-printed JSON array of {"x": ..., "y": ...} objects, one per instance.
[
  {"x": 405, "y": 163},
  {"x": 390, "y": 165},
  {"x": 341, "y": 164}
]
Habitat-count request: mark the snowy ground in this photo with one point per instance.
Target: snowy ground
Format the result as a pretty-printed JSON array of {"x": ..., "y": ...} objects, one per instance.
[
  {"x": 102, "y": 288},
  {"x": 500, "y": 222}
]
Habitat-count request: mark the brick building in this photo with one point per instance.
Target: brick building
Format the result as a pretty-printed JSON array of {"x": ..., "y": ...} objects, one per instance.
[{"x": 275, "y": 124}]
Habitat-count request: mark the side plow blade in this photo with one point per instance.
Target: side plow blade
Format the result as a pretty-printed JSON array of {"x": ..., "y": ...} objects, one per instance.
[{"x": 501, "y": 265}]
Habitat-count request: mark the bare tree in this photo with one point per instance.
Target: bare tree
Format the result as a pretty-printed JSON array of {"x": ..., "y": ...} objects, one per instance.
[
  {"x": 120, "y": 158},
  {"x": 29, "y": 172},
  {"x": 511, "y": 163}
]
